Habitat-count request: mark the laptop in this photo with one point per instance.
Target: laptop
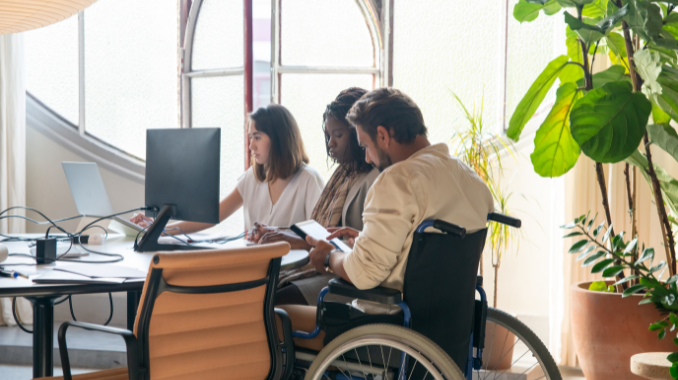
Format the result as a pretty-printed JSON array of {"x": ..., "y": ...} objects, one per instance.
[{"x": 91, "y": 199}]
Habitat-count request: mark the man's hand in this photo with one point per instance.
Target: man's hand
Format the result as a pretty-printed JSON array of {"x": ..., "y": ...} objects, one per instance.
[
  {"x": 283, "y": 235},
  {"x": 344, "y": 232},
  {"x": 321, "y": 248}
]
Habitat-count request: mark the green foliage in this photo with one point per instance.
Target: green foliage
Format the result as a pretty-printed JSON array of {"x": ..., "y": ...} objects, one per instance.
[
  {"x": 527, "y": 11},
  {"x": 618, "y": 257},
  {"x": 614, "y": 73},
  {"x": 601, "y": 286},
  {"x": 479, "y": 149},
  {"x": 535, "y": 95},
  {"x": 555, "y": 151},
  {"x": 609, "y": 122},
  {"x": 665, "y": 137}
]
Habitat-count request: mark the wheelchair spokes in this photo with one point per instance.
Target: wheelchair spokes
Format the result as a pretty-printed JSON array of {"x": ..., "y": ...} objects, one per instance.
[
  {"x": 374, "y": 352},
  {"x": 513, "y": 351}
]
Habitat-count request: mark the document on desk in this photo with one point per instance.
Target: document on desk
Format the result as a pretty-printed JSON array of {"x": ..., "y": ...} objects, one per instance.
[
  {"x": 60, "y": 277},
  {"x": 102, "y": 270}
]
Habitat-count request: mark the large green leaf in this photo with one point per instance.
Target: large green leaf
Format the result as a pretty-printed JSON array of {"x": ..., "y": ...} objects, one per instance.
[
  {"x": 526, "y": 11},
  {"x": 609, "y": 122},
  {"x": 588, "y": 33},
  {"x": 667, "y": 183},
  {"x": 534, "y": 96},
  {"x": 659, "y": 116},
  {"x": 667, "y": 100},
  {"x": 595, "y": 9},
  {"x": 665, "y": 137},
  {"x": 555, "y": 151},
  {"x": 613, "y": 73},
  {"x": 592, "y": 33},
  {"x": 616, "y": 43},
  {"x": 574, "y": 3},
  {"x": 645, "y": 19},
  {"x": 551, "y": 7}
]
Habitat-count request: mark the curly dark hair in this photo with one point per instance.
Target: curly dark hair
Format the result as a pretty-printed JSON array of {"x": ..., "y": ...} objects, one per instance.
[{"x": 338, "y": 109}]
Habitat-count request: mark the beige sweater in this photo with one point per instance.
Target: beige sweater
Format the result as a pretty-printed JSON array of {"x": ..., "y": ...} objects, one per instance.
[{"x": 430, "y": 184}]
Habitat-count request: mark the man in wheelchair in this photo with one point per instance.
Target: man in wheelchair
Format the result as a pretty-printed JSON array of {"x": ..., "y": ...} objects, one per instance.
[{"x": 434, "y": 273}]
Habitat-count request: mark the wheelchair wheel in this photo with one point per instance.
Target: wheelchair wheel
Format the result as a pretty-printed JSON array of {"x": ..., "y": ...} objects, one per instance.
[
  {"x": 512, "y": 348},
  {"x": 374, "y": 352}
]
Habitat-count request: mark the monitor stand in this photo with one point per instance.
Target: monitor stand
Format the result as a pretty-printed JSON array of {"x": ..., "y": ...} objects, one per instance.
[{"x": 149, "y": 242}]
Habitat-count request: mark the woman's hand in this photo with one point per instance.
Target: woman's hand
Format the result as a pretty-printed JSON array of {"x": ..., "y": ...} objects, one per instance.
[
  {"x": 258, "y": 231},
  {"x": 141, "y": 220},
  {"x": 343, "y": 232},
  {"x": 284, "y": 235},
  {"x": 321, "y": 248}
]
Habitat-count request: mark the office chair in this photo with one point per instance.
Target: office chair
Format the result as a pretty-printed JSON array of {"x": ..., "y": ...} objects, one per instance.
[{"x": 204, "y": 314}]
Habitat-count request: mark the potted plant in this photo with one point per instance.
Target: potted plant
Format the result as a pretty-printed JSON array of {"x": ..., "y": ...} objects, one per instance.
[
  {"x": 605, "y": 115},
  {"x": 480, "y": 150}
]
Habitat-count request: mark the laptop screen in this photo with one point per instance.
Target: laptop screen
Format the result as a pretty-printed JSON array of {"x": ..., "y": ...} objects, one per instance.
[{"x": 87, "y": 188}]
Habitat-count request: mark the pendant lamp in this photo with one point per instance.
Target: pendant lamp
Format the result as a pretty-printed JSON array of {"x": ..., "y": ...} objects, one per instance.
[{"x": 22, "y": 15}]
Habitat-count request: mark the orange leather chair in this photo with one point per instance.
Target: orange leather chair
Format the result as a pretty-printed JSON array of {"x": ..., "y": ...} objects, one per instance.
[{"x": 204, "y": 314}]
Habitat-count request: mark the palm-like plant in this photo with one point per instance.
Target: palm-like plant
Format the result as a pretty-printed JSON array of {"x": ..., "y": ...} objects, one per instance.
[{"x": 480, "y": 149}]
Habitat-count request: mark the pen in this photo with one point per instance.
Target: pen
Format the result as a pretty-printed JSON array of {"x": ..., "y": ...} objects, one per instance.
[{"x": 6, "y": 273}]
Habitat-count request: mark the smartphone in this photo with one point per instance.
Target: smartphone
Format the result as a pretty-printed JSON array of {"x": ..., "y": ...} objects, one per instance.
[{"x": 317, "y": 231}]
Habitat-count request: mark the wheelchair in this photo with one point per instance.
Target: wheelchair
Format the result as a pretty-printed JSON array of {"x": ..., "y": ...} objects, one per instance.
[{"x": 441, "y": 331}]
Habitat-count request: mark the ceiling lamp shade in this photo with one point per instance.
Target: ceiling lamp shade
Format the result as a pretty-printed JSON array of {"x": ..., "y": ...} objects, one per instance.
[{"x": 22, "y": 15}]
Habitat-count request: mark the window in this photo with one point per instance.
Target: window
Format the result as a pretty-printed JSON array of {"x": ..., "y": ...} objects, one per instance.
[
  {"x": 317, "y": 57},
  {"x": 97, "y": 73},
  {"x": 443, "y": 47}
]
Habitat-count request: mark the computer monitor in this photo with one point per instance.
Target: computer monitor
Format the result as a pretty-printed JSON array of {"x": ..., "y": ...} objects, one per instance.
[{"x": 182, "y": 180}]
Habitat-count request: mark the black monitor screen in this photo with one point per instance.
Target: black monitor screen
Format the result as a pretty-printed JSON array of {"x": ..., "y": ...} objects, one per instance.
[{"x": 182, "y": 169}]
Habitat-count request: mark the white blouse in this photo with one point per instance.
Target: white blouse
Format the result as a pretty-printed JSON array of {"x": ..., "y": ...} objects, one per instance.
[{"x": 295, "y": 205}]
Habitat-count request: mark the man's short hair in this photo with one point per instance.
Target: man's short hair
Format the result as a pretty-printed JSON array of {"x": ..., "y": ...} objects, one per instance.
[{"x": 393, "y": 110}]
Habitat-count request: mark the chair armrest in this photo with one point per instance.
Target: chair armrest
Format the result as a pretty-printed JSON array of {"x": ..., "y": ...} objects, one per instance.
[
  {"x": 379, "y": 294},
  {"x": 128, "y": 336}
]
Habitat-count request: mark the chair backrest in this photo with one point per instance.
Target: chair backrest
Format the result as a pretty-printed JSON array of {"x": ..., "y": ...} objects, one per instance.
[
  {"x": 208, "y": 314},
  {"x": 439, "y": 288}
]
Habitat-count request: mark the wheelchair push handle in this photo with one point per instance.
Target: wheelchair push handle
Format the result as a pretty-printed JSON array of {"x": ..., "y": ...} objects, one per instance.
[
  {"x": 449, "y": 228},
  {"x": 504, "y": 219}
]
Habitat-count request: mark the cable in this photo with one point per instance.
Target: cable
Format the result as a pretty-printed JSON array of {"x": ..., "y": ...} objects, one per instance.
[
  {"x": 16, "y": 318},
  {"x": 110, "y": 316}
]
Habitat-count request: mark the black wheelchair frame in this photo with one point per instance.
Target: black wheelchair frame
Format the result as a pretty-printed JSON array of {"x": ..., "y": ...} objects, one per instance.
[{"x": 394, "y": 297}]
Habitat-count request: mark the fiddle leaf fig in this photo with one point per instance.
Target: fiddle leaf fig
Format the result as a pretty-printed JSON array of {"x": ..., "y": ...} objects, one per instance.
[
  {"x": 665, "y": 137},
  {"x": 527, "y": 10},
  {"x": 609, "y": 122},
  {"x": 614, "y": 73},
  {"x": 592, "y": 33},
  {"x": 645, "y": 19},
  {"x": 534, "y": 96},
  {"x": 555, "y": 151},
  {"x": 649, "y": 66},
  {"x": 596, "y": 9}
]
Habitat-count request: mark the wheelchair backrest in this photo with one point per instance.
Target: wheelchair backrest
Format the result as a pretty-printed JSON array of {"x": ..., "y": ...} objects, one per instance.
[
  {"x": 439, "y": 288},
  {"x": 209, "y": 314}
]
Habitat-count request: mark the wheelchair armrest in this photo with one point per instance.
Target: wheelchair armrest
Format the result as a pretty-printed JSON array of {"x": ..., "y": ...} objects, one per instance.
[
  {"x": 128, "y": 336},
  {"x": 379, "y": 294}
]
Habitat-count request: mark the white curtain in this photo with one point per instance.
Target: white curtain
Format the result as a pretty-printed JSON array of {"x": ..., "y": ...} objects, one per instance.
[{"x": 13, "y": 150}]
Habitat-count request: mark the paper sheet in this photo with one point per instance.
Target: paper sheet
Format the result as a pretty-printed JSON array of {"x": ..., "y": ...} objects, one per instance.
[{"x": 102, "y": 270}]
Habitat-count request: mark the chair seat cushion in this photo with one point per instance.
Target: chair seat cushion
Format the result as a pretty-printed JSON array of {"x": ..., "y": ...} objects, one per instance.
[
  {"x": 107, "y": 374},
  {"x": 303, "y": 319}
]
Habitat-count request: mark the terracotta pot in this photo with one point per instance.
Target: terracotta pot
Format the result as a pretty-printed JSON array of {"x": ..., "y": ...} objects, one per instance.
[
  {"x": 498, "y": 352},
  {"x": 608, "y": 330}
]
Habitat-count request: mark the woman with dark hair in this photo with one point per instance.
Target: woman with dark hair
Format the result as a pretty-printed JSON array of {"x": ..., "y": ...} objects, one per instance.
[
  {"x": 340, "y": 205},
  {"x": 279, "y": 189}
]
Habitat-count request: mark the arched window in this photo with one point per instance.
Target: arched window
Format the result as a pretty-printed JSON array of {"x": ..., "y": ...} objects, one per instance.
[{"x": 319, "y": 49}]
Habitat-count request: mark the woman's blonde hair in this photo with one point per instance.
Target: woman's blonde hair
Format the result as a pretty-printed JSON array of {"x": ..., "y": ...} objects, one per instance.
[{"x": 287, "y": 155}]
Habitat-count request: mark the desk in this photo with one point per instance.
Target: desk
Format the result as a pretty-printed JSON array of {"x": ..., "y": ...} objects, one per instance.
[{"x": 42, "y": 296}]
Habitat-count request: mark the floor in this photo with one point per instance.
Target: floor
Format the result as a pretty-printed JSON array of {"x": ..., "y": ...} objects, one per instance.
[{"x": 25, "y": 372}]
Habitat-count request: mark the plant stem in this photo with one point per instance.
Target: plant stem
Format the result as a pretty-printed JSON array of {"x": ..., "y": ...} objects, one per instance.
[
  {"x": 631, "y": 198},
  {"x": 661, "y": 209},
  {"x": 496, "y": 280},
  {"x": 658, "y": 196}
]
